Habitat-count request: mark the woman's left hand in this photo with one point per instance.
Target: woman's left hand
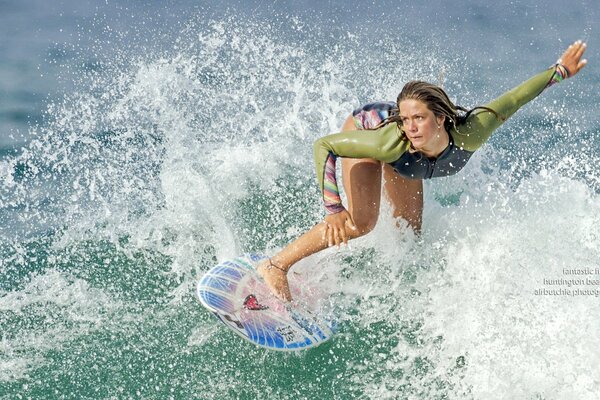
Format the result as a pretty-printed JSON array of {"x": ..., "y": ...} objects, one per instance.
[
  {"x": 335, "y": 228},
  {"x": 571, "y": 58}
]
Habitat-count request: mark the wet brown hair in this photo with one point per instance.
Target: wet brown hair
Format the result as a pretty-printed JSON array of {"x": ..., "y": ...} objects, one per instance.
[{"x": 436, "y": 100}]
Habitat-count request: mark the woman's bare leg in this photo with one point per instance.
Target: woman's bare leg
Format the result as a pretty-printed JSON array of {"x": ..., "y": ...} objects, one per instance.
[
  {"x": 362, "y": 185},
  {"x": 405, "y": 196}
]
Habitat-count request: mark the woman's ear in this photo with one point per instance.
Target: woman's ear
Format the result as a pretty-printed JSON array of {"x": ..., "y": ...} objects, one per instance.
[{"x": 440, "y": 120}]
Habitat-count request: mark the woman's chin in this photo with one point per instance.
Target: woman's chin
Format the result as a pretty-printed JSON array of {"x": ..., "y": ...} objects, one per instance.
[{"x": 416, "y": 143}]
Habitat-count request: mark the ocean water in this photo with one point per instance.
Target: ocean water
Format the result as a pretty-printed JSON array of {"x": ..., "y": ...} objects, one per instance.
[{"x": 140, "y": 143}]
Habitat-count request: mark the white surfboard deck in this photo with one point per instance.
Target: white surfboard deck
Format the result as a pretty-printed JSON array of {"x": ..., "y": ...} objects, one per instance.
[{"x": 234, "y": 292}]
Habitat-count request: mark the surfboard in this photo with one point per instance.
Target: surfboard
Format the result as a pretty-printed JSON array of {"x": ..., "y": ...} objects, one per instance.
[{"x": 237, "y": 296}]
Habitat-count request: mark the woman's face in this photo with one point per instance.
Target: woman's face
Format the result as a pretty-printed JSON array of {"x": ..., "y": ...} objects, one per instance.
[{"x": 419, "y": 123}]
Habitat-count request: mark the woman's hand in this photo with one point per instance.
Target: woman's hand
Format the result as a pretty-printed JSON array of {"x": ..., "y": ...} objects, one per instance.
[
  {"x": 335, "y": 228},
  {"x": 571, "y": 58}
]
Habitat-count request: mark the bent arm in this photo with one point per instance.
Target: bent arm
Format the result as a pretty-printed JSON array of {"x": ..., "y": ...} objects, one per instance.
[
  {"x": 383, "y": 144},
  {"x": 480, "y": 125}
]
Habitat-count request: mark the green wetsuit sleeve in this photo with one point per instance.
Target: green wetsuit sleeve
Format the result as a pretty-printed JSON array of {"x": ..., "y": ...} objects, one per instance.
[
  {"x": 383, "y": 144},
  {"x": 480, "y": 125}
]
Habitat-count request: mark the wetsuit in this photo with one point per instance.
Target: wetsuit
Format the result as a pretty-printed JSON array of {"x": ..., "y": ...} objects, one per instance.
[{"x": 386, "y": 143}]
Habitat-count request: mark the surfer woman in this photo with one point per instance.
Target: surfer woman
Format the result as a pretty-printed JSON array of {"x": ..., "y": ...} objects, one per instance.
[{"x": 420, "y": 136}]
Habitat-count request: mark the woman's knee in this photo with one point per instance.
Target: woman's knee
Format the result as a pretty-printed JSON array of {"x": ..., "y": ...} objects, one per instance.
[
  {"x": 349, "y": 124},
  {"x": 365, "y": 223}
]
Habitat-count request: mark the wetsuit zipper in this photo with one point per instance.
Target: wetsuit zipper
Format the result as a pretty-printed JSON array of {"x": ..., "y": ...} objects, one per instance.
[{"x": 432, "y": 165}]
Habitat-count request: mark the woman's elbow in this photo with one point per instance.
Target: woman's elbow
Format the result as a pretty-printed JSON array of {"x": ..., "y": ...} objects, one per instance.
[{"x": 320, "y": 147}]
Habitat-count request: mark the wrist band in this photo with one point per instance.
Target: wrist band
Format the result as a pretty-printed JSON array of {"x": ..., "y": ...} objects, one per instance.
[{"x": 560, "y": 74}]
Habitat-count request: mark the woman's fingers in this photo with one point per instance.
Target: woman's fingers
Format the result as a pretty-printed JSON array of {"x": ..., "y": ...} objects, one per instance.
[
  {"x": 579, "y": 49},
  {"x": 343, "y": 235},
  {"x": 571, "y": 58},
  {"x": 351, "y": 225},
  {"x": 333, "y": 236},
  {"x": 577, "y": 53},
  {"x": 336, "y": 225},
  {"x": 336, "y": 236}
]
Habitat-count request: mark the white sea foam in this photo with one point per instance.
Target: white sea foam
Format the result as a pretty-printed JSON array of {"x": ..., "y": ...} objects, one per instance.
[
  {"x": 516, "y": 343},
  {"x": 67, "y": 307},
  {"x": 482, "y": 263}
]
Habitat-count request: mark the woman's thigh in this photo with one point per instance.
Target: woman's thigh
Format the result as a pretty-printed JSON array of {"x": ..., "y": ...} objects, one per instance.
[
  {"x": 362, "y": 185},
  {"x": 405, "y": 196}
]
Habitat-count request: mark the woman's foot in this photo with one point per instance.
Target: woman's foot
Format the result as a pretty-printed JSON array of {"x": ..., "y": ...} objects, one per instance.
[{"x": 275, "y": 278}]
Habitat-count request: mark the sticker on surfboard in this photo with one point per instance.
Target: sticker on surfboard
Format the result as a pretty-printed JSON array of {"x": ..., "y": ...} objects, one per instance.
[{"x": 234, "y": 292}]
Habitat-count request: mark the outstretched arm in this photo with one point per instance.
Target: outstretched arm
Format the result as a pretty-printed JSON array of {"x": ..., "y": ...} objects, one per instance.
[{"x": 481, "y": 124}]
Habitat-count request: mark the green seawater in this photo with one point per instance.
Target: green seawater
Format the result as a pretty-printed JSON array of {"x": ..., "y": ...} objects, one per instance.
[{"x": 114, "y": 330}]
